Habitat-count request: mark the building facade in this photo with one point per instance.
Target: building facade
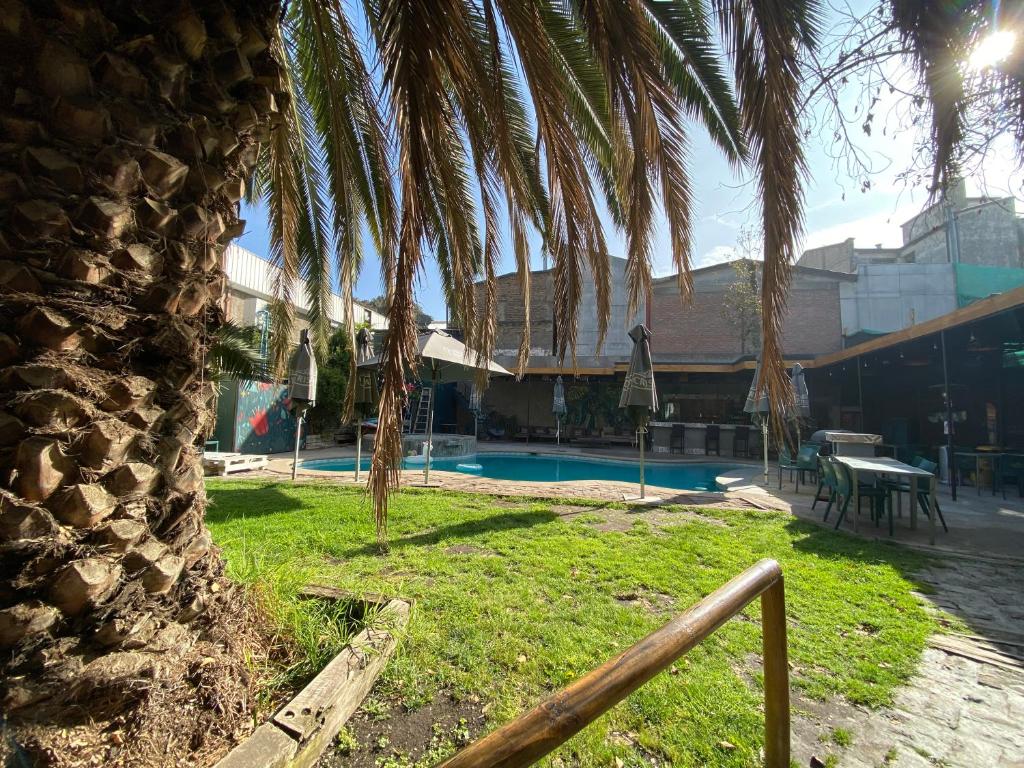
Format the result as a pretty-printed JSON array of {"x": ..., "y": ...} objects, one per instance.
[
  {"x": 511, "y": 317},
  {"x": 979, "y": 231},
  {"x": 251, "y": 287},
  {"x": 702, "y": 329}
]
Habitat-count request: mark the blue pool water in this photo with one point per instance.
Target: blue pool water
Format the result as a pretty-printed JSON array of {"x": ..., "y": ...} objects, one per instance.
[{"x": 547, "y": 468}]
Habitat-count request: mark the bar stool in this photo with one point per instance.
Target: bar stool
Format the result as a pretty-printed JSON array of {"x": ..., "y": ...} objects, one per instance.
[
  {"x": 741, "y": 441},
  {"x": 711, "y": 440},
  {"x": 677, "y": 441}
]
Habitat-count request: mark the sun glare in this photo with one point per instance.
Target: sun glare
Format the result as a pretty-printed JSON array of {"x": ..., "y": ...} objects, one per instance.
[{"x": 993, "y": 50}]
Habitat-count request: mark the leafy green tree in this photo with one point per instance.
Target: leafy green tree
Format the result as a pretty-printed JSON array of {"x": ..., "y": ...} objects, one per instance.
[
  {"x": 332, "y": 384},
  {"x": 742, "y": 304}
]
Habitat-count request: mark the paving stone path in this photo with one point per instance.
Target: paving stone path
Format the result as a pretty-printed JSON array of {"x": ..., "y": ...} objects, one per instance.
[{"x": 963, "y": 707}]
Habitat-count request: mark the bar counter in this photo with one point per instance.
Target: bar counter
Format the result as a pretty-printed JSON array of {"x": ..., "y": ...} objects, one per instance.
[{"x": 693, "y": 440}]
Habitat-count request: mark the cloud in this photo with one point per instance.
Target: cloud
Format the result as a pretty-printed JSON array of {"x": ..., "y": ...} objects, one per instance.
[
  {"x": 866, "y": 231},
  {"x": 720, "y": 254}
]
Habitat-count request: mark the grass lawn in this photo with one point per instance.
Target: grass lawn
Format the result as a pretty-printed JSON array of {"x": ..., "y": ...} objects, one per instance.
[{"x": 515, "y": 600}]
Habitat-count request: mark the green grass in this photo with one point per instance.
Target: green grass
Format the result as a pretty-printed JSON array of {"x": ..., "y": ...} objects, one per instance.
[
  {"x": 530, "y": 605},
  {"x": 842, "y": 737}
]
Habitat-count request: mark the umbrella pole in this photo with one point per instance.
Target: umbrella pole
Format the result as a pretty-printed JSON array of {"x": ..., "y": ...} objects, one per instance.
[
  {"x": 642, "y": 434},
  {"x": 430, "y": 423},
  {"x": 558, "y": 430},
  {"x": 764, "y": 449},
  {"x": 298, "y": 437},
  {"x": 359, "y": 447}
]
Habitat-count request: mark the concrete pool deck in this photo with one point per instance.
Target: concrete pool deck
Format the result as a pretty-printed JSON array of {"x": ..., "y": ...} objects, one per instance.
[{"x": 741, "y": 489}]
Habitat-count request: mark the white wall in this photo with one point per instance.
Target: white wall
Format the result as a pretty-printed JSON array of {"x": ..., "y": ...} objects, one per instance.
[
  {"x": 890, "y": 297},
  {"x": 254, "y": 277}
]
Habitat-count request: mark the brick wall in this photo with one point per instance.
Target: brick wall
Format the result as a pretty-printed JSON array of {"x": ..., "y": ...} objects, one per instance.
[
  {"x": 701, "y": 329},
  {"x": 510, "y": 316},
  {"x": 511, "y": 313}
]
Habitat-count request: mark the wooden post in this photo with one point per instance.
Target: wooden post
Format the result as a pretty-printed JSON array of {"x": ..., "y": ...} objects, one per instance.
[
  {"x": 553, "y": 722},
  {"x": 776, "y": 676}
]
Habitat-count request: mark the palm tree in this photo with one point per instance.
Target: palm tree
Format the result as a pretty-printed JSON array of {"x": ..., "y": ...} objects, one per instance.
[{"x": 131, "y": 132}]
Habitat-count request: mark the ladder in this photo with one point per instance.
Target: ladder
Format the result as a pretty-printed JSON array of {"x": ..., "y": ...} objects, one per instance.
[{"x": 417, "y": 424}]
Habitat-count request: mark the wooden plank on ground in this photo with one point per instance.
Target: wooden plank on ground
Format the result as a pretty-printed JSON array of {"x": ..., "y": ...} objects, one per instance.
[
  {"x": 322, "y": 707},
  {"x": 297, "y": 735},
  {"x": 324, "y": 592},
  {"x": 958, "y": 646}
]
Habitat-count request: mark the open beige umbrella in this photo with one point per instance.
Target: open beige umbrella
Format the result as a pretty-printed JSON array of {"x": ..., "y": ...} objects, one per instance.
[{"x": 448, "y": 360}]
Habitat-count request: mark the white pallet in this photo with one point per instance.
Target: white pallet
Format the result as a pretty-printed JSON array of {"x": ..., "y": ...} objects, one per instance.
[{"x": 223, "y": 463}]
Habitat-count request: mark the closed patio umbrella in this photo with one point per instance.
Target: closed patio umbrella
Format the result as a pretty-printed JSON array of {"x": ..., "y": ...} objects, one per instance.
[
  {"x": 558, "y": 408},
  {"x": 638, "y": 393},
  {"x": 302, "y": 388},
  {"x": 449, "y": 360},
  {"x": 758, "y": 408},
  {"x": 365, "y": 401},
  {"x": 475, "y": 406},
  {"x": 801, "y": 396}
]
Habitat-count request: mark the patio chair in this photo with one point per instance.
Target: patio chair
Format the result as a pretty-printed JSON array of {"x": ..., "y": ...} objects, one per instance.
[
  {"x": 844, "y": 490},
  {"x": 903, "y": 486},
  {"x": 827, "y": 480},
  {"x": 806, "y": 461},
  {"x": 923, "y": 492},
  {"x": 1012, "y": 469},
  {"x": 677, "y": 440},
  {"x": 741, "y": 441},
  {"x": 786, "y": 463},
  {"x": 712, "y": 440}
]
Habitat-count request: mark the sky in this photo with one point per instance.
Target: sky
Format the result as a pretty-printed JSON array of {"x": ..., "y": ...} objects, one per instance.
[{"x": 838, "y": 204}]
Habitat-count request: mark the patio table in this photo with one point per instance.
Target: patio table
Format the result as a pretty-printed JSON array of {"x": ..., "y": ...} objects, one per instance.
[
  {"x": 883, "y": 465},
  {"x": 994, "y": 457}
]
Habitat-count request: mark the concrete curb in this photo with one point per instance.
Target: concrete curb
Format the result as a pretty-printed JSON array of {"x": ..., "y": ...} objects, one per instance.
[{"x": 301, "y": 730}]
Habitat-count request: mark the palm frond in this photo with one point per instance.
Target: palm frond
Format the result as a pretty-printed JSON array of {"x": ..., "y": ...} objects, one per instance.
[
  {"x": 234, "y": 354},
  {"x": 935, "y": 34},
  {"x": 764, "y": 37}
]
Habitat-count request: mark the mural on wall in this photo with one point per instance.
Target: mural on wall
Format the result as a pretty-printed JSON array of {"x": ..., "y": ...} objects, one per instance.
[
  {"x": 263, "y": 423},
  {"x": 595, "y": 405}
]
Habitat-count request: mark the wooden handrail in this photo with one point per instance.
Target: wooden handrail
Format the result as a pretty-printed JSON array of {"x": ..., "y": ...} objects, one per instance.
[{"x": 553, "y": 722}]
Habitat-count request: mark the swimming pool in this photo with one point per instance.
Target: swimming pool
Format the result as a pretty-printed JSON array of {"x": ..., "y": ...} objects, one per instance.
[{"x": 550, "y": 468}]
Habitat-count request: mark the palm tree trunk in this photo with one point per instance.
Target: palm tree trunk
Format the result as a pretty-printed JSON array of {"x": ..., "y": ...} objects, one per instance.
[{"x": 128, "y": 130}]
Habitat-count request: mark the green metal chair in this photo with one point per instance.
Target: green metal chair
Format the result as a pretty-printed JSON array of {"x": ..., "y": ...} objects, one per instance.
[
  {"x": 1011, "y": 468},
  {"x": 786, "y": 463},
  {"x": 903, "y": 486},
  {"x": 844, "y": 489},
  {"x": 807, "y": 461},
  {"x": 826, "y": 479},
  {"x": 923, "y": 493}
]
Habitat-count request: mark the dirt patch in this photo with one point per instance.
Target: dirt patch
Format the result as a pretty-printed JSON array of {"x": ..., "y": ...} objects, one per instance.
[
  {"x": 378, "y": 732},
  {"x": 654, "y": 602},
  {"x": 468, "y": 549},
  {"x": 569, "y": 511}
]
